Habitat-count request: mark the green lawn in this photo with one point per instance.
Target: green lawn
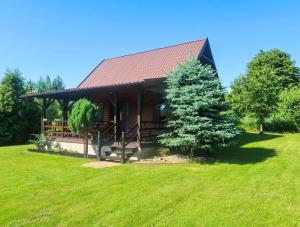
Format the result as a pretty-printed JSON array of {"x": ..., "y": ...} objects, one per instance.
[{"x": 255, "y": 182}]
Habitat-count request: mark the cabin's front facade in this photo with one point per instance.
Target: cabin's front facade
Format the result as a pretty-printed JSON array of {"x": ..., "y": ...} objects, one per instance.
[{"x": 129, "y": 91}]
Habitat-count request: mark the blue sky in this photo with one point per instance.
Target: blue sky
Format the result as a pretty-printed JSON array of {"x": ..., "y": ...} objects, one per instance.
[{"x": 69, "y": 38}]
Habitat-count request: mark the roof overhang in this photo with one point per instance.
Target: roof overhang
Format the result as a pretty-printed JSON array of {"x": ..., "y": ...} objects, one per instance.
[{"x": 75, "y": 93}]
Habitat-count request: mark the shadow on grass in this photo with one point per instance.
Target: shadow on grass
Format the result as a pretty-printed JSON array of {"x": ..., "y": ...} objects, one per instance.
[{"x": 237, "y": 154}]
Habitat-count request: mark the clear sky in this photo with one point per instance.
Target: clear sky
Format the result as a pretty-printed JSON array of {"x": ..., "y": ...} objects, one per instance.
[{"x": 69, "y": 38}]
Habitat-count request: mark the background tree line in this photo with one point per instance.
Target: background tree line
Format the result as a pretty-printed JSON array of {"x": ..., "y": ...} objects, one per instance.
[
  {"x": 266, "y": 97},
  {"x": 20, "y": 118}
]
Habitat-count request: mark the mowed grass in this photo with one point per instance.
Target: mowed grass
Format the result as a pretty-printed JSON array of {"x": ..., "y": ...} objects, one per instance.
[{"x": 254, "y": 182}]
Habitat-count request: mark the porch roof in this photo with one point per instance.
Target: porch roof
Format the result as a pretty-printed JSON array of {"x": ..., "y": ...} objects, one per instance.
[{"x": 79, "y": 92}]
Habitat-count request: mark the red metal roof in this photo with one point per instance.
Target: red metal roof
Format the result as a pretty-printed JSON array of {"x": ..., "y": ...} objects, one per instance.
[{"x": 141, "y": 66}]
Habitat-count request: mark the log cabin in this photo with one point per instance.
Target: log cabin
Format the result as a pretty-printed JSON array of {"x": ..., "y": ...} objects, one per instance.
[{"x": 129, "y": 91}]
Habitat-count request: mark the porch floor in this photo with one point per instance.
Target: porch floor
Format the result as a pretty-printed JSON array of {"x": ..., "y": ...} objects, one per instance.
[{"x": 69, "y": 139}]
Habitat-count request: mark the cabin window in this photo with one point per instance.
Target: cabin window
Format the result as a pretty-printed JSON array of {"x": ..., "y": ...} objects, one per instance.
[{"x": 160, "y": 112}]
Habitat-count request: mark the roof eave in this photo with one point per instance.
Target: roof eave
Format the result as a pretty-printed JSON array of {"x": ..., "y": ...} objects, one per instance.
[{"x": 80, "y": 92}]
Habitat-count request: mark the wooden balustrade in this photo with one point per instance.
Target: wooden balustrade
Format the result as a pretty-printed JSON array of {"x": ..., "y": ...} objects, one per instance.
[
  {"x": 57, "y": 129},
  {"x": 148, "y": 130}
]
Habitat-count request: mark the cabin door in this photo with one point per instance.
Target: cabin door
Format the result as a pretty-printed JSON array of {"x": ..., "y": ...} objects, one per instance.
[{"x": 124, "y": 116}]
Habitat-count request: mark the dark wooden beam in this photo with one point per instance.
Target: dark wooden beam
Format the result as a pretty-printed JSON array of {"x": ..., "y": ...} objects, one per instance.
[
  {"x": 123, "y": 147},
  {"x": 64, "y": 104},
  {"x": 208, "y": 59},
  {"x": 115, "y": 103},
  {"x": 139, "y": 101},
  {"x": 71, "y": 103},
  {"x": 44, "y": 106},
  {"x": 111, "y": 98},
  {"x": 48, "y": 102},
  {"x": 43, "y": 113}
]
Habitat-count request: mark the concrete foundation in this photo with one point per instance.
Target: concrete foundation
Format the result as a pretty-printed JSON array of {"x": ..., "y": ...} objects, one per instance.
[{"x": 78, "y": 147}]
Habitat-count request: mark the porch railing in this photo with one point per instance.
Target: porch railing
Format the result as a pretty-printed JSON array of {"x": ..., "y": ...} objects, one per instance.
[
  {"x": 60, "y": 129},
  {"x": 56, "y": 128},
  {"x": 148, "y": 130},
  {"x": 151, "y": 129}
]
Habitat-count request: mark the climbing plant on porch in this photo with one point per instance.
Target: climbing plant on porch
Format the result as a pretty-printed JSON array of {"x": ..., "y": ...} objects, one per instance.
[{"x": 196, "y": 104}]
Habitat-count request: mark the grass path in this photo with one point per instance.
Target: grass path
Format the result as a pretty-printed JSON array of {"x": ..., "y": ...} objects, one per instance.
[{"x": 254, "y": 182}]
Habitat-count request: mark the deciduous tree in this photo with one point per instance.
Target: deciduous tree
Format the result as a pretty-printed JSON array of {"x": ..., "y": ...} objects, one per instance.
[
  {"x": 12, "y": 117},
  {"x": 289, "y": 105},
  {"x": 256, "y": 93}
]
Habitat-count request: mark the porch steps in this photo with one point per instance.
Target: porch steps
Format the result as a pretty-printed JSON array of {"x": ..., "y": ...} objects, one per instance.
[
  {"x": 131, "y": 145},
  {"x": 116, "y": 151}
]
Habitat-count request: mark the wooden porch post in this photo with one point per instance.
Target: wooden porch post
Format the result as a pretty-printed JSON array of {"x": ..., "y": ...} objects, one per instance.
[
  {"x": 123, "y": 147},
  {"x": 115, "y": 103},
  {"x": 43, "y": 114},
  {"x": 139, "y": 97},
  {"x": 64, "y": 108},
  {"x": 99, "y": 145},
  {"x": 45, "y": 104}
]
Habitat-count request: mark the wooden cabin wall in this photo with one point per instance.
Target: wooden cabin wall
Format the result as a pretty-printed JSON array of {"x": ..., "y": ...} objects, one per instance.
[
  {"x": 148, "y": 103},
  {"x": 129, "y": 97},
  {"x": 102, "y": 99}
]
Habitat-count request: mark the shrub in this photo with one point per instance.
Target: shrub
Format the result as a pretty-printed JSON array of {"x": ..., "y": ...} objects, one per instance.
[
  {"x": 289, "y": 105},
  {"x": 57, "y": 147},
  {"x": 81, "y": 120},
  {"x": 163, "y": 151},
  {"x": 272, "y": 124},
  {"x": 42, "y": 142},
  {"x": 249, "y": 124},
  {"x": 279, "y": 124}
]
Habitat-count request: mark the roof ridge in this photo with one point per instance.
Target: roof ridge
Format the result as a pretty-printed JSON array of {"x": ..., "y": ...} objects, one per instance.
[{"x": 159, "y": 48}]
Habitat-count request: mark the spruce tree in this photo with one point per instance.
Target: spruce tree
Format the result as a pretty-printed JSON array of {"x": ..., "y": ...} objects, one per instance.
[{"x": 196, "y": 105}]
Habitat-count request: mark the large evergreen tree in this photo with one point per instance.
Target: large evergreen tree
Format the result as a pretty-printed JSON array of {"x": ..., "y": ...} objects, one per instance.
[{"x": 195, "y": 101}]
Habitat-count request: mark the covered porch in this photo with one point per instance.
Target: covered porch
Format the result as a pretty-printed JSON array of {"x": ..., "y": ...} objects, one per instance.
[{"x": 129, "y": 116}]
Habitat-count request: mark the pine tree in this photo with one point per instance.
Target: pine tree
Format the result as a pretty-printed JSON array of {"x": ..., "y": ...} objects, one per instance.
[{"x": 196, "y": 104}]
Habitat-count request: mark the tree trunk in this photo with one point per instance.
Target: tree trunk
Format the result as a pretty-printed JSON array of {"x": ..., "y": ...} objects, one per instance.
[
  {"x": 192, "y": 152},
  {"x": 85, "y": 146},
  {"x": 261, "y": 129}
]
